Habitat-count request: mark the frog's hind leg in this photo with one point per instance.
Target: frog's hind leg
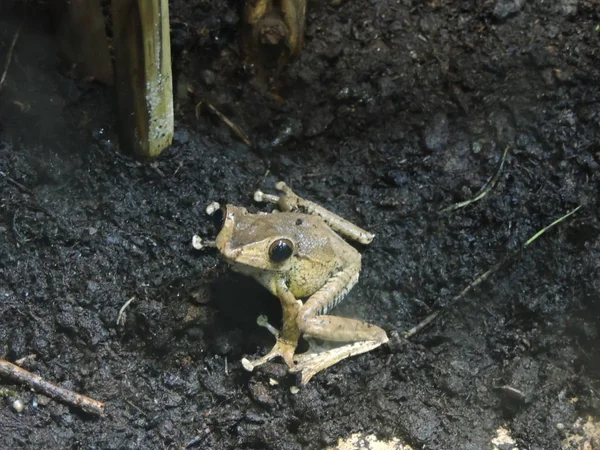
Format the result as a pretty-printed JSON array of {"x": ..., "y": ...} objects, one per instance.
[
  {"x": 287, "y": 337},
  {"x": 354, "y": 336},
  {"x": 283, "y": 348},
  {"x": 318, "y": 358}
]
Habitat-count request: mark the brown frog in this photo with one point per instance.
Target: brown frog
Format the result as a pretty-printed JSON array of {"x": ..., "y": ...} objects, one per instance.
[
  {"x": 297, "y": 254},
  {"x": 274, "y": 28}
]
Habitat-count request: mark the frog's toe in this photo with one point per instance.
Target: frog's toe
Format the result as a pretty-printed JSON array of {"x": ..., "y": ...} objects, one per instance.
[
  {"x": 250, "y": 365},
  {"x": 318, "y": 358},
  {"x": 282, "y": 348}
]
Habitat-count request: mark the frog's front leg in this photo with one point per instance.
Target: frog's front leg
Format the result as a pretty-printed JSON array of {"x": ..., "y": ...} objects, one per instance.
[
  {"x": 287, "y": 337},
  {"x": 289, "y": 201},
  {"x": 359, "y": 337}
]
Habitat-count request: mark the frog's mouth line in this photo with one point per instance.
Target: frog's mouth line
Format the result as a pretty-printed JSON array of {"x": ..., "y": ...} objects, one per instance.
[
  {"x": 249, "y": 268},
  {"x": 253, "y": 265}
]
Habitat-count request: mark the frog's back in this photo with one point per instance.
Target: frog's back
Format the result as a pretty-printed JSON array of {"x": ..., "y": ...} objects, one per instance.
[
  {"x": 320, "y": 254},
  {"x": 314, "y": 239}
]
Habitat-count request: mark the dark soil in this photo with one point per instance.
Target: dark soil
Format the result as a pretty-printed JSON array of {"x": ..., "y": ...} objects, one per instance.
[{"x": 393, "y": 111}]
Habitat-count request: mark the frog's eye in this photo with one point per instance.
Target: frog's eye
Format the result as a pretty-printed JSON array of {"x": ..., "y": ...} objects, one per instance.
[{"x": 280, "y": 250}]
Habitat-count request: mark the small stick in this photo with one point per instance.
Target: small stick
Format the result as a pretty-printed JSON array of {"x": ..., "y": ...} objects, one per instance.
[
  {"x": 481, "y": 278},
  {"x": 122, "y": 318},
  {"x": 543, "y": 230},
  {"x": 235, "y": 128},
  {"x": 513, "y": 393},
  {"x": 17, "y": 184},
  {"x": 44, "y": 387},
  {"x": 431, "y": 317},
  {"x": 487, "y": 187},
  {"x": 422, "y": 324},
  {"x": 9, "y": 56}
]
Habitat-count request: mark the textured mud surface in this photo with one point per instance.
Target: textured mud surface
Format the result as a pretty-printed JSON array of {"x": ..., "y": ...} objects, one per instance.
[{"x": 393, "y": 111}]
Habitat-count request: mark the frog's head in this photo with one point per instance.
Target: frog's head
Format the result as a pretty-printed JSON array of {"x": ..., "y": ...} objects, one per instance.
[{"x": 253, "y": 243}]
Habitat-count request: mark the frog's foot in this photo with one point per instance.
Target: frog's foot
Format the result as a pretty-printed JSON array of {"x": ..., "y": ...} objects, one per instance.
[
  {"x": 318, "y": 357},
  {"x": 282, "y": 347}
]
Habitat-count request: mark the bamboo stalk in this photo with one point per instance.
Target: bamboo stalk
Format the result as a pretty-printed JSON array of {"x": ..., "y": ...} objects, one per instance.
[{"x": 143, "y": 75}]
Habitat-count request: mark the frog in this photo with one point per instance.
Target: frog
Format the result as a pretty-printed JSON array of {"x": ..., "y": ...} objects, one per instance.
[
  {"x": 299, "y": 253},
  {"x": 272, "y": 29},
  {"x": 277, "y": 21}
]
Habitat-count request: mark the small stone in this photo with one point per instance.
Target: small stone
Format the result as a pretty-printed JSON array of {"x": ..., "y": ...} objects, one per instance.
[
  {"x": 292, "y": 128},
  {"x": 569, "y": 7},
  {"x": 260, "y": 394},
  {"x": 396, "y": 26},
  {"x": 92, "y": 286},
  {"x": 181, "y": 137},
  {"x": 387, "y": 87},
  {"x": 507, "y": 8},
  {"x": 208, "y": 77},
  {"x": 437, "y": 132},
  {"x": 43, "y": 400},
  {"x": 18, "y": 405}
]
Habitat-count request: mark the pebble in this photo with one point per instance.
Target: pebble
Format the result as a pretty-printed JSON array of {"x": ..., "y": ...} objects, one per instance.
[
  {"x": 260, "y": 394},
  {"x": 569, "y": 7},
  {"x": 437, "y": 132},
  {"x": 506, "y": 8},
  {"x": 18, "y": 405}
]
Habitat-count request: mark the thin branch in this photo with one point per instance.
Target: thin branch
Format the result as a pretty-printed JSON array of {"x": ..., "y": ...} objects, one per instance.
[
  {"x": 17, "y": 184},
  {"x": 543, "y": 230},
  {"x": 122, "y": 317},
  {"x": 237, "y": 130},
  {"x": 9, "y": 56},
  {"x": 487, "y": 187},
  {"x": 481, "y": 278},
  {"x": 37, "y": 383}
]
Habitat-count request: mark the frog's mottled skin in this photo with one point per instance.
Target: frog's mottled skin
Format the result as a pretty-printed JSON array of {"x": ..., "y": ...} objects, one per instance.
[
  {"x": 321, "y": 267},
  {"x": 319, "y": 251}
]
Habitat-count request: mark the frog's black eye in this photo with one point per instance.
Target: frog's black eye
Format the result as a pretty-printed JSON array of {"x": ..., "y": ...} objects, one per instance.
[
  {"x": 280, "y": 250},
  {"x": 218, "y": 218}
]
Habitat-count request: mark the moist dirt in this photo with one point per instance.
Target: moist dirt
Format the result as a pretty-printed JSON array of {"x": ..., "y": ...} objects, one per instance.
[{"x": 393, "y": 111}]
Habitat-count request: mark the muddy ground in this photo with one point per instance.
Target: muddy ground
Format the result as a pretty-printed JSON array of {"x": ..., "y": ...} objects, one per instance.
[{"x": 393, "y": 111}]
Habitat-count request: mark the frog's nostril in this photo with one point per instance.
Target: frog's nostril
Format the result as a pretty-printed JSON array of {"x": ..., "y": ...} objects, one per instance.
[{"x": 280, "y": 250}]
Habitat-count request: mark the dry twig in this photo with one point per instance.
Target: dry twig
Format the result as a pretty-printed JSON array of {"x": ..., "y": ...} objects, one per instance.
[
  {"x": 37, "y": 383},
  {"x": 235, "y": 128},
  {"x": 17, "y": 184},
  {"x": 122, "y": 317},
  {"x": 487, "y": 187},
  {"x": 481, "y": 278},
  {"x": 9, "y": 56}
]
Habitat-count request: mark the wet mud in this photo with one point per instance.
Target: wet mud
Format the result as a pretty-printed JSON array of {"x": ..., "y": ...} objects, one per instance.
[{"x": 393, "y": 111}]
